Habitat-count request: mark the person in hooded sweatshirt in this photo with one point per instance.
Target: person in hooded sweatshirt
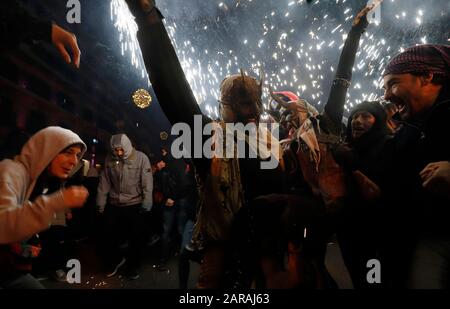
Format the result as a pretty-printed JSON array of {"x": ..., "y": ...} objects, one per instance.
[
  {"x": 31, "y": 193},
  {"x": 126, "y": 187},
  {"x": 361, "y": 156},
  {"x": 416, "y": 250}
]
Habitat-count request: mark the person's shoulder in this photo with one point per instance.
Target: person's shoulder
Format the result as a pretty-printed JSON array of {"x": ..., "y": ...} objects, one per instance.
[
  {"x": 439, "y": 115},
  {"x": 12, "y": 171}
]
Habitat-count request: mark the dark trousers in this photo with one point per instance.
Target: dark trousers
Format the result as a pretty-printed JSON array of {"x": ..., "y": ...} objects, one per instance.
[
  {"x": 184, "y": 263},
  {"x": 123, "y": 224},
  {"x": 176, "y": 215},
  {"x": 54, "y": 254}
]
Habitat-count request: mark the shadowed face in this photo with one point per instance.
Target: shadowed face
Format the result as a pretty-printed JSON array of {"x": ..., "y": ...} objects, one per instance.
[
  {"x": 362, "y": 122},
  {"x": 63, "y": 164}
]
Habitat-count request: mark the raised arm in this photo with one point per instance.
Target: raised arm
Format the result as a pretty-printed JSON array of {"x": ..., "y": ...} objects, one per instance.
[
  {"x": 17, "y": 25},
  {"x": 147, "y": 184},
  {"x": 166, "y": 74},
  {"x": 334, "y": 109}
]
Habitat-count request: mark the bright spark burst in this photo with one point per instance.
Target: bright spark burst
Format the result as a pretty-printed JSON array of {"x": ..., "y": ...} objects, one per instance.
[{"x": 296, "y": 44}]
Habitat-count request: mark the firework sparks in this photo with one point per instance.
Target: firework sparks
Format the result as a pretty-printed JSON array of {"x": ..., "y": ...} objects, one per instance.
[{"x": 297, "y": 44}]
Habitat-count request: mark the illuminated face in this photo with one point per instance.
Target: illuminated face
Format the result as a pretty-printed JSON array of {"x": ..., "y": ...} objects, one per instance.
[
  {"x": 406, "y": 92},
  {"x": 63, "y": 164},
  {"x": 119, "y": 152},
  {"x": 362, "y": 122},
  {"x": 240, "y": 99}
]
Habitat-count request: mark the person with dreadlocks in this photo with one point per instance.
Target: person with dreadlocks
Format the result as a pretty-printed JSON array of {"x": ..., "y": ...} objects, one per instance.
[
  {"x": 227, "y": 184},
  {"x": 417, "y": 234}
]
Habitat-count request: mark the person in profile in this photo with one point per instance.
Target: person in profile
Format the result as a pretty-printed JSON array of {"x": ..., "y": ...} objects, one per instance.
[{"x": 31, "y": 193}]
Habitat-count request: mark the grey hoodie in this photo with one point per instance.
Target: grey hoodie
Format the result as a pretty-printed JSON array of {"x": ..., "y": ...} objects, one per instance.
[
  {"x": 127, "y": 181},
  {"x": 21, "y": 218}
]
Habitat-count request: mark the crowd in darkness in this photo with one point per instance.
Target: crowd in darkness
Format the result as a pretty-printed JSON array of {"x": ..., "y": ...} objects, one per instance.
[{"x": 379, "y": 182}]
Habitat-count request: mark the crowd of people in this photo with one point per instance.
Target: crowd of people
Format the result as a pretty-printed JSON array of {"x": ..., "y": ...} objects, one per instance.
[{"x": 380, "y": 182}]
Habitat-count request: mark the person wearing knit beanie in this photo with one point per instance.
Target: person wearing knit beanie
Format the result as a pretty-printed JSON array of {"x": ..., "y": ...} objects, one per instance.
[
  {"x": 413, "y": 79},
  {"x": 365, "y": 118},
  {"x": 366, "y": 134},
  {"x": 415, "y": 246}
]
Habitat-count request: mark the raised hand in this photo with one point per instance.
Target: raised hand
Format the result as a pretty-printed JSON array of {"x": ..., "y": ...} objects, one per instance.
[
  {"x": 64, "y": 40},
  {"x": 362, "y": 15}
]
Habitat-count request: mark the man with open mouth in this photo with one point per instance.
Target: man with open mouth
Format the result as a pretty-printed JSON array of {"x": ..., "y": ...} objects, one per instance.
[{"x": 417, "y": 234}]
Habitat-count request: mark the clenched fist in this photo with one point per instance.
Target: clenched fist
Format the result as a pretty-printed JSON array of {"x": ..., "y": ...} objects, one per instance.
[{"x": 75, "y": 196}]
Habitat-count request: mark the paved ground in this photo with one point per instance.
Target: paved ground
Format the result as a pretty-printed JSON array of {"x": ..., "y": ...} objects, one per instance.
[{"x": 93, "y": 278}]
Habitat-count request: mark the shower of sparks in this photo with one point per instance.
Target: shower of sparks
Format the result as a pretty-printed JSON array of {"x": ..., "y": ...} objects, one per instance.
[{"x": 297, "y": 45}]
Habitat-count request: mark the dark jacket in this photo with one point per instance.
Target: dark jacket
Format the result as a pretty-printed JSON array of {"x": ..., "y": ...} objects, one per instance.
[
  {"x": 165, "y": 184},
  {"x": 182, "y": 184},
  {"x": 419, "y": 142}
]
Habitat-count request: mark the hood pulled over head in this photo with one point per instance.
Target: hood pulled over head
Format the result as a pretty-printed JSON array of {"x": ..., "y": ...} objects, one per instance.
[
  {"x": 44, "y": 146},
  {"x": 121, "y": 141}
]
